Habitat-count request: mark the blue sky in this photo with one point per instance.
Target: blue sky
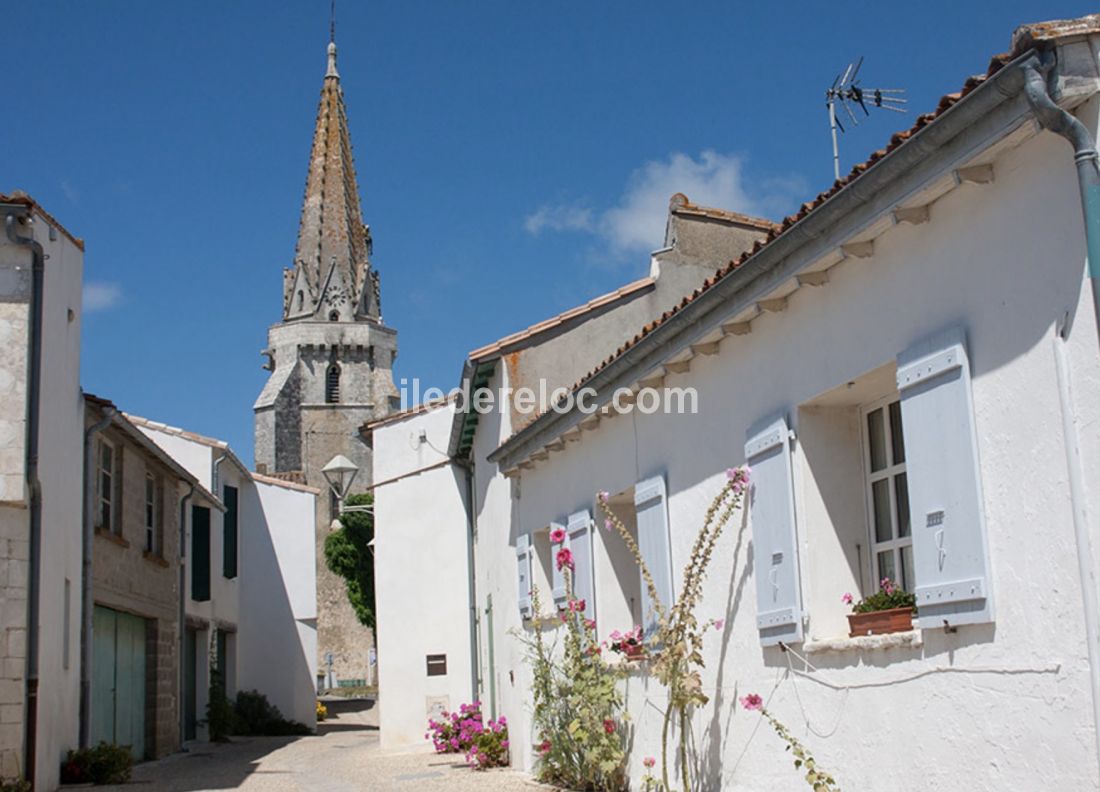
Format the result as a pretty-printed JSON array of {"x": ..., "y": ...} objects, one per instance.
[{"x": 514, "y": 159}]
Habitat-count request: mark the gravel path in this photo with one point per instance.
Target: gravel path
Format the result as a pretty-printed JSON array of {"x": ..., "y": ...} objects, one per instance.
[{"x": 343, "y": 757}]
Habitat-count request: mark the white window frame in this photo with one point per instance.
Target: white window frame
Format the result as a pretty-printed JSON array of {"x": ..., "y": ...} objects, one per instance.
[
  {"x": 890, "y": 472},
  {"x": 106, "y": 498}
]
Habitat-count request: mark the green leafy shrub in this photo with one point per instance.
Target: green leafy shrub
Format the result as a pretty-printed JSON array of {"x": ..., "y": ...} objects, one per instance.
[
  {"x": 255, "y": 716},
  {"x": 578, "y": 717},
  {"x": 348, "y": 554},
  {"x": 106, "y": 763},
  {"x": 490, "y": 746},
  {"x": 219, "y": 710},
  {"x": 15, "y": 785}
]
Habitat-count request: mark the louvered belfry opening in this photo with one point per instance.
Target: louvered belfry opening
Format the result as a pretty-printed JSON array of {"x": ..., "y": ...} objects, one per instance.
[{"x": 332, "y": 384}]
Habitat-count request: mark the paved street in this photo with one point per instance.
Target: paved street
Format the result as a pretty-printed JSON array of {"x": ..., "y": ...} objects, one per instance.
[{"x": 343, "y": 756}]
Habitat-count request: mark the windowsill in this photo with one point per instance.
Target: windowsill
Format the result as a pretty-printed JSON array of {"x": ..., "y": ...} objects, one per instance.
[
  {"x": 112, "y": 537},
  {"x": 155, "y": 559},
  {"x": 911, "y": 639}
]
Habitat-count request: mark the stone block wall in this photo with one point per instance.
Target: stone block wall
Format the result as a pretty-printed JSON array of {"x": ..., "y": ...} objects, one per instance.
[
  {"x": 14, "y": 554},
  {"x": 126, "y": 578},
  {"x": 14, "y": 536}
]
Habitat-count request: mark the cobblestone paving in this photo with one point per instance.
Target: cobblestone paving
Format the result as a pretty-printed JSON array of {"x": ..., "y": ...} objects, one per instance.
[{"x": 343, "y": 757}]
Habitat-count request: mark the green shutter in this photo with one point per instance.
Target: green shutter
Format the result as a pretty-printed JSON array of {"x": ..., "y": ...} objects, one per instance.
[
  {"x": 200, "y": 553},
  {"x": 229, "y": 534}
]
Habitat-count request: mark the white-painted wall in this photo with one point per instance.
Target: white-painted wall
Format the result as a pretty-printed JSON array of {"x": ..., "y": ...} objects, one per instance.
[
  {"x": 279, "y": 598},
  {"x": 60, "y": 469},
  {"x": 1006, "y": 704},
  {"x": 421, "y": 580},
  {"x": 272, "y": 602},
  {"x": 61, "y": 473}
]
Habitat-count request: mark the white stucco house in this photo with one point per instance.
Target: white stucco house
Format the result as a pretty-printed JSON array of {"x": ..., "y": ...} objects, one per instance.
[
  {"x": 41, "y": 417},
  {"x": 429, "y": 669},
  {"x": 250, "y": 585},
  {"x": 430, "y": 496},
  {"x": 910, "y": 365}
]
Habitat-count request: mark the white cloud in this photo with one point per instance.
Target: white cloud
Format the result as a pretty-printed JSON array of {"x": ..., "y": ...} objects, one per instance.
[
  {"x": 101, "y": 296},
  {"x": 636, "y": 223},
  {"x": 70, "y": 192},
  {"x": 560, "y": 217}
]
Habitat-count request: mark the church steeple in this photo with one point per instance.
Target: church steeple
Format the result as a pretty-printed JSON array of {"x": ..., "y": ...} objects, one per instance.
[{"x": 332, "y": 277}]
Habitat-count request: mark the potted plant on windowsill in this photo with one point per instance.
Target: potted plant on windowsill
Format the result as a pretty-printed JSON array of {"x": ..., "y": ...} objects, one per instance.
[
  {"x": 629, "y": 644},
  {"x": 888, "y": 610}
]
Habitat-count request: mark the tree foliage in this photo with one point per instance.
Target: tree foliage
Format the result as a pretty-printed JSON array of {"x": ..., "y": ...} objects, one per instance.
[{"x": 349, "y": 555}]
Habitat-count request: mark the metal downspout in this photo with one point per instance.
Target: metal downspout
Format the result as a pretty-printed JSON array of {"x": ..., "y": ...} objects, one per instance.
[
  {"x": 184, "y": 501},
  {"x": 1064, "y": 123},
  {"x": 214, "y": 474},
  {"x": 87, "y": 603},
  {"x": 471, "y": 568},
  {"x": 34, "y": 489}
]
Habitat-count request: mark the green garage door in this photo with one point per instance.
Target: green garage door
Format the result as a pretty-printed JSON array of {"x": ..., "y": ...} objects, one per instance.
[{"x": 118, "y": 685}]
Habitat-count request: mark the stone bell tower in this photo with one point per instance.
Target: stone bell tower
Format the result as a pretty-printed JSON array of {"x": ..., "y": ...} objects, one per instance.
[{"x": 331, "y": 362}]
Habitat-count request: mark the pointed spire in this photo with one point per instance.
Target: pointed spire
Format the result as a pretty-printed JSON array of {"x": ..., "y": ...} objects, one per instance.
[
  {"x": 333, "y": 254},
  {"x": 332, "y": 43},
  {"x": 332, "y": 61}
]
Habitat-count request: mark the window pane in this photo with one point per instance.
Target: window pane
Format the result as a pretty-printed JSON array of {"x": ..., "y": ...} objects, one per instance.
[
  {"x": 876, "y": 438},
  {"x": 880, "y": 494},
  {"x": 901, "y": 498},
  {"x": 908, "y": 581},
  {"x": 897, "y": 439},
  {"x": 886, "y": 567}
]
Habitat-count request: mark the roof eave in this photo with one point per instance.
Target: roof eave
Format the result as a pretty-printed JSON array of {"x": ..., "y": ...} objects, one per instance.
[{"x": 988, "y": 112}]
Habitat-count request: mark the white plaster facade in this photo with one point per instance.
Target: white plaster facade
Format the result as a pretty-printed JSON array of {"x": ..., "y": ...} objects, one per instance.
[
  {"x": 1004, "y": 701},
  {"x": 420, "y": 614},
  {"x": 60, "y": 470},
  {"x": 269, "y": 607},
  {"x": 1007, "y": 701}
]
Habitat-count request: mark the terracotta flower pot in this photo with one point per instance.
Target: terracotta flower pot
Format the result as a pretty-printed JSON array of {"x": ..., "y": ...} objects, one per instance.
[{"x": 880, "y": 622}]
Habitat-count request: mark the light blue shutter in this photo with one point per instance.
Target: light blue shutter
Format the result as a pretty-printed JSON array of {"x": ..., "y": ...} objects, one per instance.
[
  {"x": 775, "y": 545},
  {"x": 557, "y": 578},
  {"x": 950, "y": 561},
  {"x": 523, "y": 568},
  {"x": 580, "y": 542},
  {"x": 651, "y": 507}
]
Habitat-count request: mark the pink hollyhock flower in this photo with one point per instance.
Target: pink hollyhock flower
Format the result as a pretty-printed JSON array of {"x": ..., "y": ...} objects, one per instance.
[
  {"x": 577, "y": 606},
  {"x": 603, "y": 496},
  {"x": 544, "y": 747},
  {"x": 616, "y": 635},
  {"x": 608, "y": 525},
  {"x": 564, "y": 617},
  {"x": 847, "y": 598},
  {"x": 565, "y": 558},
  {"x": 590, "y": 624},
  {"x": 649, "y": 762},
  {"x": 557, "y": 536},
  {"x": 752, "y": 702},
  {"x": 609, "y": 725},
  {"x": 719, "y": 623}
]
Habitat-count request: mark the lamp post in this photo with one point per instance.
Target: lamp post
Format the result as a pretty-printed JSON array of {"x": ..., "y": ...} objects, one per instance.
[{"x": 340, "y": 472}]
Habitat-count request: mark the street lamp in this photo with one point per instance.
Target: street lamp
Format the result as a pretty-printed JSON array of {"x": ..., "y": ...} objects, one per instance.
[{"x": 340, "y": 472}]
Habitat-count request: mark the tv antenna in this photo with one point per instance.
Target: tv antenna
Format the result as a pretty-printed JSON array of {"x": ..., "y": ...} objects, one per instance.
[{"x": 847, "y": 91}]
